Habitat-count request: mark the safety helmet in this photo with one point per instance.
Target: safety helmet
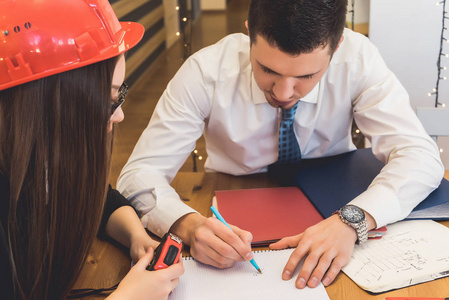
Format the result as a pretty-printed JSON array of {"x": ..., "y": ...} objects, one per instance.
[{"x": 39, "y": 38}]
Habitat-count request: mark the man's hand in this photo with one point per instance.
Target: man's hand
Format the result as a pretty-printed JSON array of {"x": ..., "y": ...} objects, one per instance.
[
  {"x": 327, "y": 247},
  {"x": 211, "y": 242}
]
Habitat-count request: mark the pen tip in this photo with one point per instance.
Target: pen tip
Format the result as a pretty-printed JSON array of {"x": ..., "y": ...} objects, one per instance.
[{"x": 259, "y": 271}]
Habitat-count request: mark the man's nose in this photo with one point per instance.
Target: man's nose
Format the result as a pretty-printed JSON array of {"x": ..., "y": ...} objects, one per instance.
[{"x": 284, "y": 89}]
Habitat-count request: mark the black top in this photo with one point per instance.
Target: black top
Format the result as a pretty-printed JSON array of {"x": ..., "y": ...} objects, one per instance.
[{"x": 114, "y": 201}]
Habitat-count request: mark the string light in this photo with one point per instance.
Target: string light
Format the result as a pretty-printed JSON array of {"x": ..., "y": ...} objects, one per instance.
[
  {"x": 182, "y": 32},
  {"x": 440, "y": 77},
  {"x": 194, "y": 157}
]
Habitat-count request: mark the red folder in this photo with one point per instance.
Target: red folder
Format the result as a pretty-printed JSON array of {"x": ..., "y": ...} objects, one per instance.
[{"x": 268, "y": 213}]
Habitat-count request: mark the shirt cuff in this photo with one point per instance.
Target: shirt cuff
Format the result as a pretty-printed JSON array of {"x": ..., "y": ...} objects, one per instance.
[
  {"x": 161, "y": 218},
  {"x": 381, "y": 203}
]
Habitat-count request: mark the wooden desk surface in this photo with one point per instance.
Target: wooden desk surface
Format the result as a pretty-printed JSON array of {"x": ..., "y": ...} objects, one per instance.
[{"x": 108, "y": 264}]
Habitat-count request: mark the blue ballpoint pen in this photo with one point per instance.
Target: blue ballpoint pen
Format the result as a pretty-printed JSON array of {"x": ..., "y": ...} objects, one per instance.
[{"x": 219, "y": 217}]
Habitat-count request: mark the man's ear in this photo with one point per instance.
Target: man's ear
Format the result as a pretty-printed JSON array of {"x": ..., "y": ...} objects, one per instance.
[
  {"x": 246, "y": 25},
  {"x": 341, "y": 40}
]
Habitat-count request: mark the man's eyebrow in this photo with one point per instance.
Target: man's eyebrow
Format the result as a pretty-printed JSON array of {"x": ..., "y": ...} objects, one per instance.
[{"x": 274, "y": 72}]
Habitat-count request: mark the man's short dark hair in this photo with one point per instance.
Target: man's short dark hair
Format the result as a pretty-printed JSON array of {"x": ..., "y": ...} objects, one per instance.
[{"x": 297, "y": 26}]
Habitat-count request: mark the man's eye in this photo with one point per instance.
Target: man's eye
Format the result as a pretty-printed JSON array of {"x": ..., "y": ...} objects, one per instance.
[{"x": 266, "y": 70}]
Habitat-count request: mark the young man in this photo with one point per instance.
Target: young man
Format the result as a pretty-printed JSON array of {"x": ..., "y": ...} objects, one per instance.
[{"x": 299, "y": 55}]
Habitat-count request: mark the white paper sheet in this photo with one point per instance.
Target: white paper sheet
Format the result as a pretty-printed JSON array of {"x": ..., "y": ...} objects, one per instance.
[
  {"x": 243, "y": 282},
  {"x": 409, "y": 253}
]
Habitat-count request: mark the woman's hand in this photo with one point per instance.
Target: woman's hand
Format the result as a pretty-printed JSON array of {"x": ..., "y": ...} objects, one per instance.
[
  {"x": 140, "y": 245},
  {"x": 140, "y": 283}
]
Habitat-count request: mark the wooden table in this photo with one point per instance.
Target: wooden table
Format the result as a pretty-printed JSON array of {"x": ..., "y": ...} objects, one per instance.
[{"x": 108, "y": 264}]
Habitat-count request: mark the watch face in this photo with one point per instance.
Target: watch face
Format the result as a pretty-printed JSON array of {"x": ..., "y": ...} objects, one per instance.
[{"x": 352, "y": 214}]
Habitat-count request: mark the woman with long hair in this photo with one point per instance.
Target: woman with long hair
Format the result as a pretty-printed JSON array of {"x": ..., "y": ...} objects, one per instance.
[{"x": 61, "y": 86}]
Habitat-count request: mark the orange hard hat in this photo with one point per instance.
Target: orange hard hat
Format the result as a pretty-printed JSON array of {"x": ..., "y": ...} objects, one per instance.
[{"x": 39, "y": 38}]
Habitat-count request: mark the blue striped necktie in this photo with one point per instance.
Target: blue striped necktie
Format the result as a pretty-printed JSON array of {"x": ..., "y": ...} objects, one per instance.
[{"x": 289, "y": 152}]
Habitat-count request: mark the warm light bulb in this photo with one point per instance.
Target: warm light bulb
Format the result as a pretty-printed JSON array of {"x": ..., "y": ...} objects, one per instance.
[
  {"x": 429, "y": 94},
  {"x": 357, "y": 131},
  {"x": 195, "y": 151},
  {"x": 177, "y": 7},
  {"x": 177, "y": 33},
  {"x": 184, "y": 19},
  {"x": 200, "y": 157},
  {"x": 441, "y": 150}
]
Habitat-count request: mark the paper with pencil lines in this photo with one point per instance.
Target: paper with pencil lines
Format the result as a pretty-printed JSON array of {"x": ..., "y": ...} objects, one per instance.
[
  {"x": 243, "y": 282},
  {"x": 410, "y": 252}
]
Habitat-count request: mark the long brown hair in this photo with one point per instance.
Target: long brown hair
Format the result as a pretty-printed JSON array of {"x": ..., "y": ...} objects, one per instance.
[{"x": 55, "y": 152}]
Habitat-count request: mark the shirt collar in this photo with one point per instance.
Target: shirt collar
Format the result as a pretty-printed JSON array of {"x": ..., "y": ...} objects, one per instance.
[{"x": 258, "y": 96}]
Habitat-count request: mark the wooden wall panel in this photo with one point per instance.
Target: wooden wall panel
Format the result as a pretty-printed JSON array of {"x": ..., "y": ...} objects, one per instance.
[
  {"x": 149, "y": 13},
  {"x": 146, "y": 48},
  {"x": 124, "y": 7}
]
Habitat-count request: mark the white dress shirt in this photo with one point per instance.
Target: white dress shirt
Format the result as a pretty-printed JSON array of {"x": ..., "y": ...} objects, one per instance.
[{"x": 214, "y": 93}]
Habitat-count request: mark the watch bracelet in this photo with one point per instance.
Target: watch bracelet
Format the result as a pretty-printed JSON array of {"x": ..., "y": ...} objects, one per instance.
[
  {"x": 362, "y": 232},
  {"x": 361, "y": 229}
]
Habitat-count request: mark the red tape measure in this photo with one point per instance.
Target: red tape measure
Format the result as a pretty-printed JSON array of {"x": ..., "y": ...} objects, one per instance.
[{"x": 167, "y": 253}]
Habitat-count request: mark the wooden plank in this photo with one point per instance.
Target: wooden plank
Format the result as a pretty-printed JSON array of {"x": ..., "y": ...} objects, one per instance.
[
  {"x": 124, "y": 7},
  {"x": 362, "y": 28},
  {"x": 144, "y": 51},
  {"x": 152, "y": 17}
]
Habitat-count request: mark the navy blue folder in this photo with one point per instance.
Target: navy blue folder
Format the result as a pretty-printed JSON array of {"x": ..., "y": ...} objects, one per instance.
[{"x": 331, "y": 182}]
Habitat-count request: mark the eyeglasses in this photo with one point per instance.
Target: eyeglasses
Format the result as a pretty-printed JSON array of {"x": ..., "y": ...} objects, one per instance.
[{"x": 122, "y": 91}]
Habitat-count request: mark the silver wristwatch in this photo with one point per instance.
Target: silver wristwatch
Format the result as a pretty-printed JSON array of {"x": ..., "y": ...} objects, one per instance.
[{"x": 355, "y": 217}]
